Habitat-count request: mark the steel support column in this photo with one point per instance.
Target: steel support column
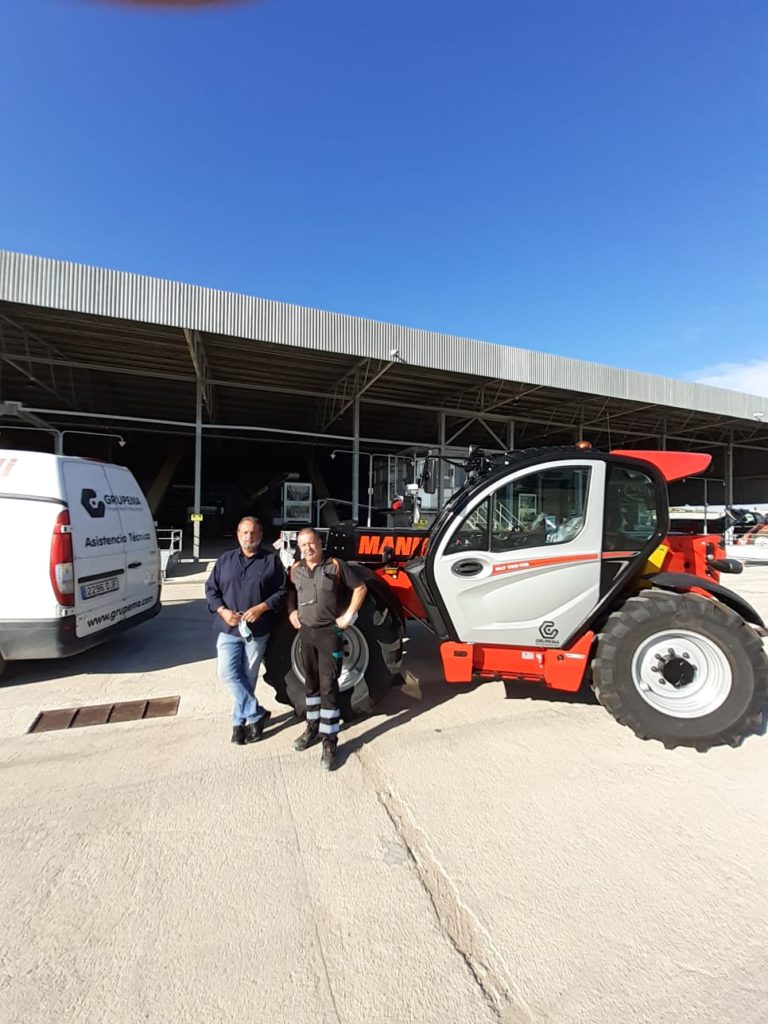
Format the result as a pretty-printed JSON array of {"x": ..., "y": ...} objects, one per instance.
[
  {"x": 198, "y": 467},
  {"x": 729, "y": 471},
  {"x": 440, "y": 472},
  {"x": 356, "y": 457}
]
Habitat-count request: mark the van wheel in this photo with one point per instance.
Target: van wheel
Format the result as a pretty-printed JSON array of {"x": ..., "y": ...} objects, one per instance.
[
  {"x": 681, "y": 669},
  {"x": 3, "y": 663},
  {"x": 373, "y": 650}
]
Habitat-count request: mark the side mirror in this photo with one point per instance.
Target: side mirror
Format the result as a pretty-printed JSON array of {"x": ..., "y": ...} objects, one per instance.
[{"x": 429, "y": 475}]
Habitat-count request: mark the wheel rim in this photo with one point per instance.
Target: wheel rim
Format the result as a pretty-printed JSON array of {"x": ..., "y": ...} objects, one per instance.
[
  {"x": 354, "y": 662},
  {"x": 682, "y": 674}
]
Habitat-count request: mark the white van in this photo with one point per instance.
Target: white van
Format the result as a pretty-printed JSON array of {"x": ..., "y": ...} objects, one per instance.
[{"x": 79, "y": 560}]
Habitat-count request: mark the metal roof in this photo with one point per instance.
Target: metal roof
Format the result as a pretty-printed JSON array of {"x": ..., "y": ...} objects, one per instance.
[{"x": 76, "y": 337}]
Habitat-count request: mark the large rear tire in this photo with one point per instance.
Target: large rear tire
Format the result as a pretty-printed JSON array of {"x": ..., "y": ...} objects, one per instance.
[
  {"x": 681, "y": 669},
  {"x": 373, "y": 652}
]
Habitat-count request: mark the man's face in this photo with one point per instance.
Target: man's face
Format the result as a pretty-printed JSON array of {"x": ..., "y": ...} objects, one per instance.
[
  {"x": 249, "y": 536},
  {"x": 311, "y": 548}
]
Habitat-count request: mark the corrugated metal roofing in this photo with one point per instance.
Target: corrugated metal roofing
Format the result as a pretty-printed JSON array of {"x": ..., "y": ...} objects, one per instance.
[{"x": 94, "y": 291}]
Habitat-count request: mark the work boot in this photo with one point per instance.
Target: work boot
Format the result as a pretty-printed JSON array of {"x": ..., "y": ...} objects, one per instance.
[
  {"x": 307, "y": 738},
  {"x": 328, "y": 755},
  {"x": 238, "y": 735},
  {"x": 255, "y": 730}
]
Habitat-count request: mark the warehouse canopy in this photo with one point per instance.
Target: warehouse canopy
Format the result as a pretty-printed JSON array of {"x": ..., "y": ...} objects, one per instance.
[{"x": 82, "y": 342}]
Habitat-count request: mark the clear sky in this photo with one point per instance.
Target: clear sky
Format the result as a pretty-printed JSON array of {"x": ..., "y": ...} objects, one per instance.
[{"x": 583, "y": 177}]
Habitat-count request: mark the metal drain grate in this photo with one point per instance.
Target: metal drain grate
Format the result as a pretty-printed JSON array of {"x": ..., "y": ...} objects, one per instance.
[{"x": 102, "y": 714}]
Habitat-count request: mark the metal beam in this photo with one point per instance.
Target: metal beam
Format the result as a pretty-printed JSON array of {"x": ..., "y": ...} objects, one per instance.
[
  {"x": 510, "y": 398},
  {"x": 625, "y": 412},
  {"x": 494, "y": 435},
  {"x": 356, "y": 383},
  {"x": 19, "y": 410},
  {"x": 478, "y": 419},
  {"x": 200, "y": 363},
  {"x": 700, "y": 427},
  {"x": 183, "y": 378},
  {"x": 475, "y": 396},
  {"x": 401, "y": 442},
  {"x": 461, "y": 430},
  {"x": 21, "y": 357},
  {"x": 599, "y": 425}
]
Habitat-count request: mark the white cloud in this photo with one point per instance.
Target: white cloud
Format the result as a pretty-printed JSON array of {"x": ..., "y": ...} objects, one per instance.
[{"x": 751, "y": 377}]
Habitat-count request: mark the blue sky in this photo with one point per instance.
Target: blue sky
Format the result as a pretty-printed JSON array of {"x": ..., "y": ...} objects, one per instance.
[{"x": 584, "y": 178}]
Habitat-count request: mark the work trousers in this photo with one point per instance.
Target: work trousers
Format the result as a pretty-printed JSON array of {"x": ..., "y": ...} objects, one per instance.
[{"x": 321, "y": 653}]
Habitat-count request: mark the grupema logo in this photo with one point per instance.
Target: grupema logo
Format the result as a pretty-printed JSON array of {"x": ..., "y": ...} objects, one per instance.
[{"x": 90, "y": 502}]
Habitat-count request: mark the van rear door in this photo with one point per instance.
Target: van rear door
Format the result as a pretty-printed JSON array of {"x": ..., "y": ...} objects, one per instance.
[
  {"x": 142, "y": 555},
  {"x": 98, "y": 545}
]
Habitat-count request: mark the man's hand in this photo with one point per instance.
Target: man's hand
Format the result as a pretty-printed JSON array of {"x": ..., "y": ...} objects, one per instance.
[
  {"x": 231, "y": 618},
  {"x": 345, "y": 620},
  {"x": 293, "y": 618},
  {"x": 253, "y": 614}
]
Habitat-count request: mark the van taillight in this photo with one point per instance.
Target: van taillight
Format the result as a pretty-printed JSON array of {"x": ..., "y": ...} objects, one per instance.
[{"x": 62, "y": 569}]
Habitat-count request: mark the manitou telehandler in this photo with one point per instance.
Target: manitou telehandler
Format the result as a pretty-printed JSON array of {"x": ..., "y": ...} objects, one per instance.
[{"x": 556, "y": 566}]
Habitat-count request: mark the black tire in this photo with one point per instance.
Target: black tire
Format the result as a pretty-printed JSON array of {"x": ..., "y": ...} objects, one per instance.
[
  {"x": 381, "y": 630},
  {"x": 278, "y": 670},
  {"x": 661, "y": 656}
]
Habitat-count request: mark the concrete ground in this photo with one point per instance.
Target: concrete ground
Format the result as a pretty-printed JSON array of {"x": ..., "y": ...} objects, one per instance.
[{"x": 477, "y": 857}]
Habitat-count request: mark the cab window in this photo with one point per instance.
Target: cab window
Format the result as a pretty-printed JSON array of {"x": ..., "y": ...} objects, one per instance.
[
  {"x": 472, "y": 534},
  {"x": 631, "y": 509},
  {"x": 545, "y": 507}
]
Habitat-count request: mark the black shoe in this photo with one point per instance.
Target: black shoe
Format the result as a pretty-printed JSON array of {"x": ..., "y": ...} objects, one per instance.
[
  {"x": 255, "y": 730},
  {"x": 306, "y": 739},
  {"x": 238, "y": 735},
  {"x": 328, "y": 755}
]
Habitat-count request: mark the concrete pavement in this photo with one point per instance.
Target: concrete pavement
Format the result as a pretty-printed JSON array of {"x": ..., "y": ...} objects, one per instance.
[{"x": 476, "y": 857}]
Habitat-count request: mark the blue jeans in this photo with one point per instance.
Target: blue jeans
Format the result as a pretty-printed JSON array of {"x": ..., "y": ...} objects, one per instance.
[{"x": 240, "y": 672}]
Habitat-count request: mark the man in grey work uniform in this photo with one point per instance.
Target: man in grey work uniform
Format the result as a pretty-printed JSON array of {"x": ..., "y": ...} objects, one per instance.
[{"x": 318, "y": 587}]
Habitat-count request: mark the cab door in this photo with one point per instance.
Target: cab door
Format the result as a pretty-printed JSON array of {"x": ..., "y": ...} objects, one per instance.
[{"x": 521, "y": 564}]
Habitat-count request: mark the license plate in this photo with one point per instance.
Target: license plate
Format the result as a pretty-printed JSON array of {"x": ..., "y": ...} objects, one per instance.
[{"x": 98, "y": 588}]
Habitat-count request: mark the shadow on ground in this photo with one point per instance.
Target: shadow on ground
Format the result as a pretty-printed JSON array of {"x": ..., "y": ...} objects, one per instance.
[
  {"x": 425, "y": 672},
  {"x": 181, "y": 570},
  {"x": 181, "y": 634}
]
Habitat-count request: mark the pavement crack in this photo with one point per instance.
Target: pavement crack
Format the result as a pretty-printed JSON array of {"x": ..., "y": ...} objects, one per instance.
[
  {"x": 308, "y": 887},
  {"x": 461, "y": 927}
]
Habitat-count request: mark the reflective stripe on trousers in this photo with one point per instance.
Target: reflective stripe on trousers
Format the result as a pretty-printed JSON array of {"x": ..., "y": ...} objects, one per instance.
[
  {"x": 313, "y": 709},
  {"x": 329, "y": 721}
]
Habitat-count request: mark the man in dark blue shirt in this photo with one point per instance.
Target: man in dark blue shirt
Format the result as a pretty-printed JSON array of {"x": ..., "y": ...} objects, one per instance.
[{"x": 243, "y": 591}]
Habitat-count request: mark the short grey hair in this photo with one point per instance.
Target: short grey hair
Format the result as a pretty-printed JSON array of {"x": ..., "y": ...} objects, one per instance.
[
  {"x": 309, "y": 529},
  {"x": 251, "y": 519}
]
